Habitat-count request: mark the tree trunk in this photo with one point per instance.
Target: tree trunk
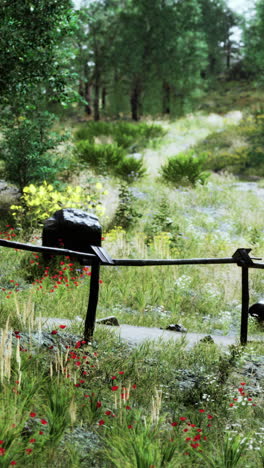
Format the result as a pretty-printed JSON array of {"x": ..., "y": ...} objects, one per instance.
[
  {"x": 103, "y": 98},
  {"x": 87, "y": 96},
  {"x": 165, "y": 98},
  {"x": 135, "y": 100},
  {"x": 96, "y": 95}
]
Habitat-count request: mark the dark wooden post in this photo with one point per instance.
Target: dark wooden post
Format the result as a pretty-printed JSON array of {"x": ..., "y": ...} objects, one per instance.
[
  {"x": 245, "y": 304},
  {"x": 93, "y": 300}
]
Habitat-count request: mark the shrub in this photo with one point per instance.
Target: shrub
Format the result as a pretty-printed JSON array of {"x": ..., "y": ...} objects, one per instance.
[
  {"x": 126, "y": 214},
  {"x": 110, "y": 158},
  {"x": 185, "y": 169},
  {"x": 28, "y": 151},
  {"x": 130, "y": 169},
  {"x": 125, "y": 134},
  {"x": 100, "y": 157},
  {"x": 38, "y": 203}
]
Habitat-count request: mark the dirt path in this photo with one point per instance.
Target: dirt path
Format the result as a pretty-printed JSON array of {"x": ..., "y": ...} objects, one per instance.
[
  {"x": 134, "y": 335},
  {"x": 184, "y": 133}
]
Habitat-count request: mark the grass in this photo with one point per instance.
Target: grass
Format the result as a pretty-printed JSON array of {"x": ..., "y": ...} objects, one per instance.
[{"x": 107, "y": 404}]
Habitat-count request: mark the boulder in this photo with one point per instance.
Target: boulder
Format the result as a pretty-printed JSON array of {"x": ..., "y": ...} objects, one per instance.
[{"x": 72, "y": 229}]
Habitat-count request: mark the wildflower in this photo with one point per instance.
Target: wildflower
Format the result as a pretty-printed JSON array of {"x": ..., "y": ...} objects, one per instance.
[
  {"x": 242, "y": 383},
  {"x": 201, "y": 410},
  {"x": 195, "y": 445},
  {"x": 1, "y": 442},
  {"x": 114, "y": 377},
  {"x": 41, "y": 432},
  {"x": 54, "y": 332},
  {"x": 32, "y": 441},
  {"x": 98, "y": 404},
  {"x": 2, "y": 451},
  {"x": 128, "y": 407},
  {"x": 108, "y": 413},
  {"x": 134, "y": 386},
  {"x": 231, "y": 404},
  {"x": 28, "y": 450},
  {"x": 182, "y": 418},
  {"x": 32, "y": 414},
  {"x": 114, "y": 388},
  {"x": 63, "y": 326},
  {"x": 121, "y": 372},
  {"x": 188, "y": 438},
  {"x": 43, "y": 421},
  {"x": 173, "y": 424},
  {"x": 130, "y": 426},
  {"x": 185, "y": 430},
  {"x": 101, "y": 422},
  {"x": 210, "y": 416},
  {"x": 13, "y": 462}
]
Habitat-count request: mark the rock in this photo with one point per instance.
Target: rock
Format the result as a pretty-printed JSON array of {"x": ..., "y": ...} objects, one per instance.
[
  {"x": 177, "y": 327},
  {"x": 72, "y": 229},
  {"x": 111, "y": 320},
  {"x": 257, "y": 311},
  {"x": 207, "y": 339}
]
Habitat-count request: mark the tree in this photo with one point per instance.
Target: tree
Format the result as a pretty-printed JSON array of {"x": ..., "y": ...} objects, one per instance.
[
  {"x": 33, "y": 70},
  {"x": 254, "y": 40}
]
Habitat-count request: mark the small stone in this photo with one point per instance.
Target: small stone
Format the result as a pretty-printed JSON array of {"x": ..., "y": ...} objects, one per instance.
[
  {"x": 207, "y": 339},
  {"x": 177, "y": 327},
  {"x": 111, "y": 320}
]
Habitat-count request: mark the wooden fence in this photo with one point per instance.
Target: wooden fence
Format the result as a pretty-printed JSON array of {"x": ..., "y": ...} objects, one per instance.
[{"x": 100, "y": 257}]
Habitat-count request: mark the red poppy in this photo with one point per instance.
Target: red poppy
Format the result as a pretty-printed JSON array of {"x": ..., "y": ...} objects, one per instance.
[
  {"x": 173, "y": 424},
  {"x": 134, "y": 386},
  {"x": 63, "y": 326},
  {"x": 108, "y": 413},
  {"x": 28, "y": 450},
  {"x": 201, "y": 410},
  {"x": 114, "y": 388},
  {"x": 2, "y": 451},
  {"x": 210, "y": 416},
  {"x": 54, "y": 332},
  {"x": 32, "y": 414},
  {"x": 98, "y": 404},
  {"x": 32, "y": 441},
  {"x": 182, "y": 418},
  {"x": 13, "y": 462},
  {"x": 121, "y": 372},
  {"x": 101, "y": 422},
  {"x": 43, "y": 421},
  {"x": 130, "y": 426}
]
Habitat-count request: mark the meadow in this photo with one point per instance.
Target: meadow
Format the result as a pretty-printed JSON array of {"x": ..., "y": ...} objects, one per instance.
[{"x": 107, "y": 404}]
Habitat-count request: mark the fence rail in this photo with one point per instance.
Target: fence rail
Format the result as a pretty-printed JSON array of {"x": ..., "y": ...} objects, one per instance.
[{"x": 241, "y": 258}]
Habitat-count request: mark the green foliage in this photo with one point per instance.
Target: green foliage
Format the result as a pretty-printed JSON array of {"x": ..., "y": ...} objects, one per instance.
[
  {"x": 31, "y": 56},
  {"x": 185, "y": 169},
  {"x": 29, "y": 151},
  {"x": 130, "y": 169},
  {"x": 126, "y": 135},
  {"x": 126, "y": 214},
  {"x": 101, "y": 157},
  {"x": 112, "y": 159},
  {"x": 38, "y": 203}
]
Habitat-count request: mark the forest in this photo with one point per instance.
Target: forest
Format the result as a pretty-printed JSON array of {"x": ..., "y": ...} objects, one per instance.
[{"x": 148, "y": 114}]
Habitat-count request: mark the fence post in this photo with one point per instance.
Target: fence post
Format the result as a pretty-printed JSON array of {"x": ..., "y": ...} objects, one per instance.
[
  {"x": 93, "y": 300},
  {"x": 244, "y": 307}
]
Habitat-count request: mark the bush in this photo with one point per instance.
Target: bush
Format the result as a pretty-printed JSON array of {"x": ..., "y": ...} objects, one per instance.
[
  {"x": 28, "y": 151},
  {"x": 39, "y": 203},
  {"x": 130, "y": 169},
  {"x": 125, "y": 134},
  {"x": 100, "y": 157},
  {"x": 185, "y": 169},
  {"x": 112, "y": 159}
]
